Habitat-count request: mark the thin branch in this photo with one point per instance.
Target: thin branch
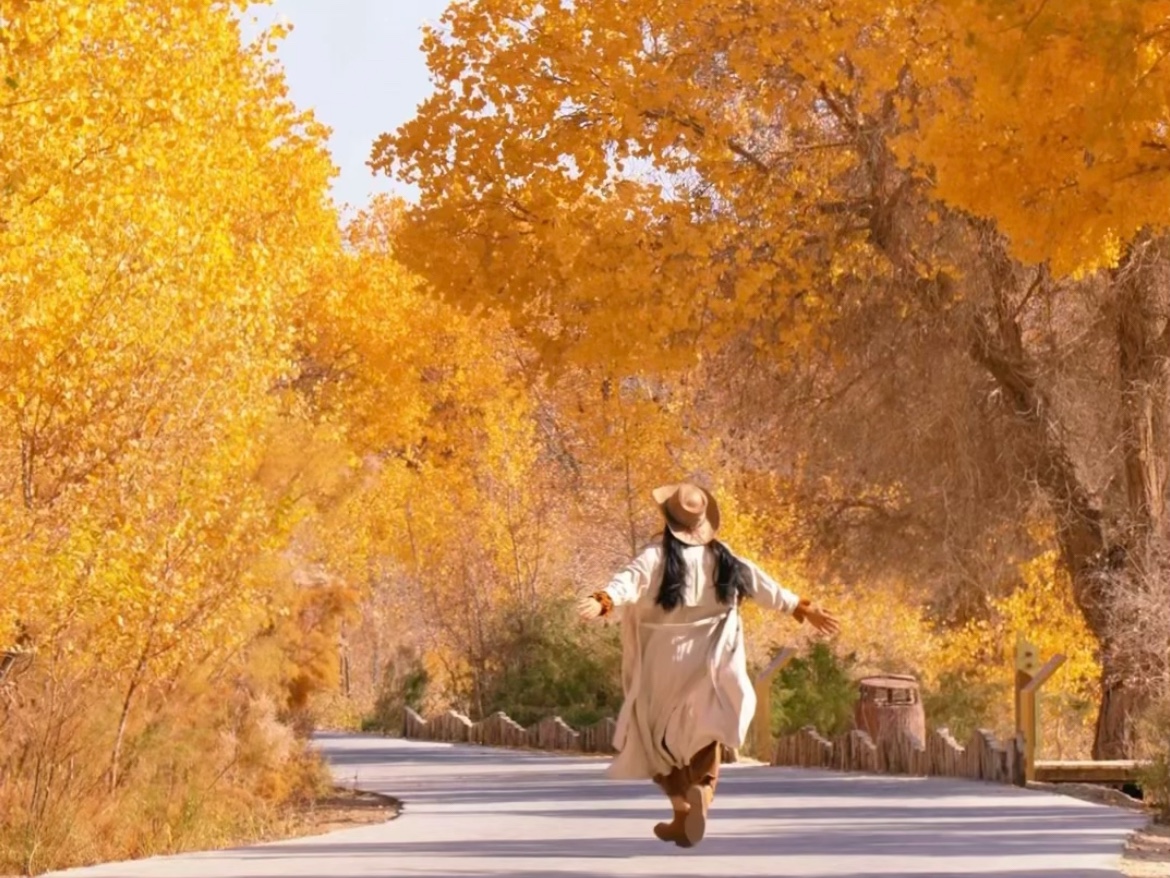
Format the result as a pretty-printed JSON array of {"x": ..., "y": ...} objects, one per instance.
[
  {"x": 749, "y": 156},
  {"x": 1041, "y": 273},
  {"x": 1035, "y": 15}
]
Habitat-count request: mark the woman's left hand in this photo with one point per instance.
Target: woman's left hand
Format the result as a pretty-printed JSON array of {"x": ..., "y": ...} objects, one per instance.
[{"x": 589, "y": 608}]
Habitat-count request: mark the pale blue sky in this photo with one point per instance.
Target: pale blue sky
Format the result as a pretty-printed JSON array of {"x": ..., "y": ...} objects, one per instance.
[{"x": 357, "y": 64}]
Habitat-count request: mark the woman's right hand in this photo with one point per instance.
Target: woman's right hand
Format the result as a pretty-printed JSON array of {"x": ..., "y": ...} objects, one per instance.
[
  {"x": 824, "y": 621},
  {"x": 589, "y": 608}
]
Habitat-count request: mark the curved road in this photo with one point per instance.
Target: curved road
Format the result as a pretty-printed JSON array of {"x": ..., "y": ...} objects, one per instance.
[{"x": 475, "y": 812}]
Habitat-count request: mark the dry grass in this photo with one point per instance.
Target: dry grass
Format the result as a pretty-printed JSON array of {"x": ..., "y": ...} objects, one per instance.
[
  {"x": 338, "y": 809},
  {"x": 204, "y": 767}
]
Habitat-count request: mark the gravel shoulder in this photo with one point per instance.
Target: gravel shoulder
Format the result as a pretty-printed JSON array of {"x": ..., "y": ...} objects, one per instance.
[
  {"x": 1147, "y": 851},
  {"x": 343, "y": 809}
]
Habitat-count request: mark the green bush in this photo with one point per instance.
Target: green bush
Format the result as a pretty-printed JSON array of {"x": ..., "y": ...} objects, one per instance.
[
  {"x": 815, "y": 690},
  {"x": 557, "y": 666},
  {"x": 960, "y": 705},
  {"x": 404, "y": 684}
]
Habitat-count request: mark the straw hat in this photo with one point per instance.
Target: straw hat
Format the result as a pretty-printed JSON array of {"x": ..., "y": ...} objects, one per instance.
[{"x": 691, "y": 512}]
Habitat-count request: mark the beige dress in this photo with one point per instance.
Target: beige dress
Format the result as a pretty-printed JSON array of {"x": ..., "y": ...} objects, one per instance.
[{"x": 684, "y": 672}]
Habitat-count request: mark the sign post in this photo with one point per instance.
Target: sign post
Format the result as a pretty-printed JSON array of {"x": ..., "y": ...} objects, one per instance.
[
  {"x": 1030, "y": 676},
  {"x": 761, "y": 736}
]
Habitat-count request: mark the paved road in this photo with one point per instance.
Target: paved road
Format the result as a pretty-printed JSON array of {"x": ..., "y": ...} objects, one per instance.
[{"x": 472, "y": 812}]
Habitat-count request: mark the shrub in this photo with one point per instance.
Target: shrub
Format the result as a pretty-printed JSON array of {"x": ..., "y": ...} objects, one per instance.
[
  {"x": 815, "y": 690},
  {"x": 204, "y": 765},
  {"x": 961, "y": 703},
  {"x": 404, "y": 684},
  {"x": 1154, "y": 778},
  {"x": 557, "y": 667}
]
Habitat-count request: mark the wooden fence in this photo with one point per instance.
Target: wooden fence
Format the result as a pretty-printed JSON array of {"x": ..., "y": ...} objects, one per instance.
[
  {"x": 983, "y": 758},
  {"x": 499, "y": 730}
]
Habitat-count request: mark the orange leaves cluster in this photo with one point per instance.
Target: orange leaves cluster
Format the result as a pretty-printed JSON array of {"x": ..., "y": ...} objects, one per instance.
[
  {"x": 608, "y": 172},
  {"x": 1049, "y": 118},
  {"x": 683, "y": 164}
]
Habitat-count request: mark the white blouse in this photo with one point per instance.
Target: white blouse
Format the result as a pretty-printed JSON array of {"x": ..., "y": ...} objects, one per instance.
[{"x": 638, "y": 582}]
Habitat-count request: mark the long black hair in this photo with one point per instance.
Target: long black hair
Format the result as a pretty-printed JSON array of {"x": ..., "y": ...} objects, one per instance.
[{"x": 731, "y": 577}]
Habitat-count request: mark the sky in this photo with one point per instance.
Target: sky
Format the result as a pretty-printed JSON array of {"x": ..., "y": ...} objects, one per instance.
[{"x": 357, "y": 65}]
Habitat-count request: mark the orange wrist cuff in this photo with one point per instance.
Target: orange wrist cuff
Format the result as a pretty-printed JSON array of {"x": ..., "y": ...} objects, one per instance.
[
  {"x": 801, "y": 611},
  {"x": 603, "y": 598}
]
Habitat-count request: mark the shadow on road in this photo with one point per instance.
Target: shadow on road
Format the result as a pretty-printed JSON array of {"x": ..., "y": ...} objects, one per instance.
[
  {"x": 666, "y": 873},
  {"x": 919, "y": 818},
  {"x": 947, "y": 840}
]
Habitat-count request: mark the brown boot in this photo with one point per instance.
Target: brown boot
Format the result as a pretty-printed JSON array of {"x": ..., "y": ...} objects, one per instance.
[
  {"x": 674, "y": 830},
  {"x": 695, "y": 821}
]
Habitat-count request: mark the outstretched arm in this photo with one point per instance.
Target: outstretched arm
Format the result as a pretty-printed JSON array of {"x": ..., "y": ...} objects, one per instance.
[
  {"x": 625, "y": 587},
  {"x": 769, "y": 593}
]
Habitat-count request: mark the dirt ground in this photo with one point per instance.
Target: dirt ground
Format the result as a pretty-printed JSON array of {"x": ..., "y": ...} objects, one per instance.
[
  {"x": 1148, "y": 853},
  {"x": 344, "y": 809}
]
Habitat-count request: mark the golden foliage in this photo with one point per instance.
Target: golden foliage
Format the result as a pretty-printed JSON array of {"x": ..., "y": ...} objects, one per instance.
[
  {"x": 250, "y": 448},
  {"x": 1049, "y": 118},
  {"x": 162, "y": 211},
  {"x": 155, "y": 231},
  {"x": 1040, "y": 610}
]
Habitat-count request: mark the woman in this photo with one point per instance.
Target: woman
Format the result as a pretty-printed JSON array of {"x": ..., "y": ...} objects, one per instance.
[{"x": 684, "y": 670}]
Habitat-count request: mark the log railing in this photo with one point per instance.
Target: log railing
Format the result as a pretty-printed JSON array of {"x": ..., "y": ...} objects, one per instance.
[
  {"x": 499, "y": 730},
  {"x": 984, "y": 758}
]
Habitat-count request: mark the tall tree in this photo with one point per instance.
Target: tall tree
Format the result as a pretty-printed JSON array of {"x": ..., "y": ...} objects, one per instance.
[
  {"x": 162, "y": 207},
  {"x": 799, "y": 188}
]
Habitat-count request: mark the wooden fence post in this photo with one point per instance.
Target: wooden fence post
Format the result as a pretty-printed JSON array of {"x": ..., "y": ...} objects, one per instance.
[
  {"x": 761, "y": 735},
  {"x": 1030, "y": 676}
]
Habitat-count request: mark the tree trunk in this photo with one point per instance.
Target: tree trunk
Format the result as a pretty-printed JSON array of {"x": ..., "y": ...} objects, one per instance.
[
  {"x": 127, "y": 703},
  {"x": 1142, "y": 351},
  {"x": 1104, "y": 554},
  {"x": 1143, "y": 346},
  {"x": 28, "y": 454},
  {"x": 116, "y": 755},
  {"x": 1121, "y": 702},
  {"x": 1104, "y": 566},
  {"x": 1085, "y": 554}
]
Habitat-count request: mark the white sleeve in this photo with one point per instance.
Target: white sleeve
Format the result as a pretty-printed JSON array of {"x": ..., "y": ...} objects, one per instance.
[
  {"x": 628, "y": 584},
  {"x": 768, "y": 593}
]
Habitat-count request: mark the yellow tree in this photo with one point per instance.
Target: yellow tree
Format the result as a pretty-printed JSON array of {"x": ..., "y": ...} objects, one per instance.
[
  {"x": 162, "y": 207},
  {"x": 1071, "y": 99},
  {"x": 444, "y": 514},
  {"x": 794, "y": 188}
]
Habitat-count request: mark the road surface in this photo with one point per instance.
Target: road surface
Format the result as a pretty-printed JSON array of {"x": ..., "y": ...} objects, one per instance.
[{"x": 473, "y": 812}]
